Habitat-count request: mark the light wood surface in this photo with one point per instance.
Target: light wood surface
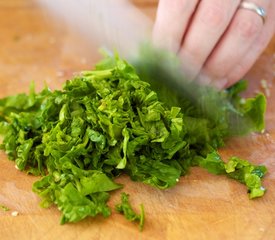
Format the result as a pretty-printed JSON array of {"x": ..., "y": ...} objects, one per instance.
[{"x": 202, "y": 206}]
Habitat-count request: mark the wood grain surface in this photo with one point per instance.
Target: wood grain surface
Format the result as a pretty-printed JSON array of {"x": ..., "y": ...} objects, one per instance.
[{"x": 34, "y": 47}]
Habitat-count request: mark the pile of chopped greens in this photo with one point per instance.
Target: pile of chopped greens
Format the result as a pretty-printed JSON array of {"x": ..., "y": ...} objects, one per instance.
[{"x": 109, "y": 122}]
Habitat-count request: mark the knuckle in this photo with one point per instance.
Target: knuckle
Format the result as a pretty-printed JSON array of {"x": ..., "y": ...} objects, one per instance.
[
  {"x": 238, "y": 72},
  {"x": 217, "y": 70},
  {"x": 213, "y": 16},
  {"x": 249, "y": 27},
  {"x": 175, "y": 6},
  {"x": 192, "y": 52}
]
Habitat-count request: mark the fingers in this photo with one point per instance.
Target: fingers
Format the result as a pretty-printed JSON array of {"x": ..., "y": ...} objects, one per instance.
[
  {"x": 209, "y": 23},
  {"x": 238, "y": 43},
  {"x": 171, "y": 22},
  {"x": 241, "y": 68},
  {"x": 216, "y": 40}
]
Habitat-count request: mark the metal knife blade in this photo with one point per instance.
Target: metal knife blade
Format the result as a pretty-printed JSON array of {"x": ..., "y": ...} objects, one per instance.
[{"x": 118, "y": 25}]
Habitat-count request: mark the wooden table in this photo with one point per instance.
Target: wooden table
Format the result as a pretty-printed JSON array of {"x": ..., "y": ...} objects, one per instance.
[{"x": 33, "y": 47}]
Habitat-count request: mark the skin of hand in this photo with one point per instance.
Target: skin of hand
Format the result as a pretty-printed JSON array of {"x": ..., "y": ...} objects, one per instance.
[{"x": 216, "y": 40}]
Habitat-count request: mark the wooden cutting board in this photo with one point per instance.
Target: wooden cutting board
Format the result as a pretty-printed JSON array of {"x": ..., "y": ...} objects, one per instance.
[{"x": 202, "y": 206}]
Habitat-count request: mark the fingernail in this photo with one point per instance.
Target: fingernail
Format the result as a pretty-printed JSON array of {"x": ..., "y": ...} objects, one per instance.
[
  {"x": 220, "y": 83},
  {"x": 204, "y": 79},
  {"x": 217, "y": 83}
]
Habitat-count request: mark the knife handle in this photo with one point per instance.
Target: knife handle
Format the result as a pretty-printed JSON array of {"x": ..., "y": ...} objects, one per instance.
[{"x": 113, "y": 24}]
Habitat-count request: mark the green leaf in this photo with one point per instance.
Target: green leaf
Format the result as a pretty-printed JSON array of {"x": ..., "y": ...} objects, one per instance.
[
  {"x": 212, "y": 163},
  {"x": 75, "y": 206},
  {"x": 126, "y": 209},
  {"x": 98, "y": 182},
  {"x": 247, "y": 173},
  {"x": 4, "y": 208}
]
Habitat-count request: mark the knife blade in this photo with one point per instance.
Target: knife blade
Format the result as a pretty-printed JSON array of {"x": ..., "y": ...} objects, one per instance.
[
  {"x": 120, "y": 26},
  {"x": 113, "y": 24}
]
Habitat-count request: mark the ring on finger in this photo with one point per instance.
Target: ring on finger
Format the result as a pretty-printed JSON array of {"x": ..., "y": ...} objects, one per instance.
[{"x": 254, "y": 8}]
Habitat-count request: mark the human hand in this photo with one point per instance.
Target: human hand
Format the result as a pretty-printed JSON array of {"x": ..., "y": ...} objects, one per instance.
[{"x": 216, "y": 40}]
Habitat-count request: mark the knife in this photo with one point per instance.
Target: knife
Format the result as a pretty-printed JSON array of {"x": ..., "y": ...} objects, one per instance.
[
  {"x": 112, "y": 24},
  {"x": 119, "y": 25}
]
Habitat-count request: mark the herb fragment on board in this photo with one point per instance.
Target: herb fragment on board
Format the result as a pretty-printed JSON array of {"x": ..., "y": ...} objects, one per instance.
[
  {"x": 238, "y": 169},
  {"x": 126, "y": 209},
  {"x": 248, "y": 174},
  {"x": 4, "y": 208},
  {"x": 14, "y": 213}
]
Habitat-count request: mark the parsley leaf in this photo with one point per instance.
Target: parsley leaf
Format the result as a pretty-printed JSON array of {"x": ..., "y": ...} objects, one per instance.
[
  {"x": 246, "y": 173},
  {"x": 236, "y": 168},
  {"x": 125, "y": 208},
  {"x": 4, "y": 208}
]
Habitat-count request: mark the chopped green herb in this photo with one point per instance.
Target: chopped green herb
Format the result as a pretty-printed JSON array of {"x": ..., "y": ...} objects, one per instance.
[
  {"x": 126, "y": 209},
  {"x": 4, "y": 208},
  {"x": 248, "y": 174},
  {"x": 238, "y": 169},
  {"x": 107, "y": 122}
]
